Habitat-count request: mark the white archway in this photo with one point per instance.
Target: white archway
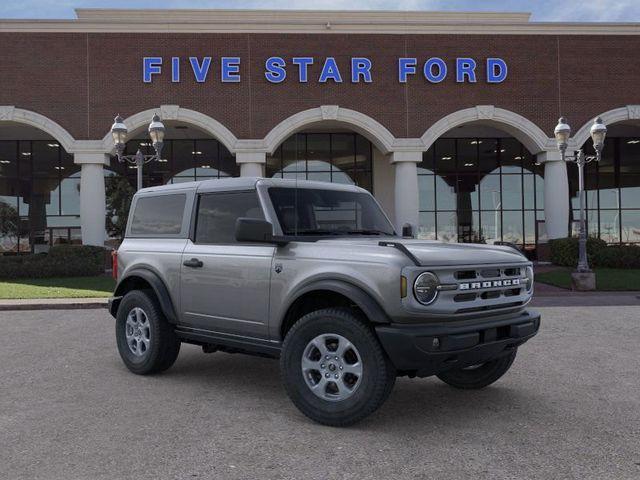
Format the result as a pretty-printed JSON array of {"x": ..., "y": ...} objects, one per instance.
[
  {"x": 373, "y": 130},
  {"x": 527, "y": 132},
  {"x": 9, "y": 113},
  {"x": 629, "y": 112},
  {"x": 177, "y": 113}
]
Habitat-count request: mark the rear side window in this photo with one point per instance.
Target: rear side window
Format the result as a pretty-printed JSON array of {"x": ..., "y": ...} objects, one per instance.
[
  {"x": 159, "y": 215},
  {"x": 218, "y": 212}
]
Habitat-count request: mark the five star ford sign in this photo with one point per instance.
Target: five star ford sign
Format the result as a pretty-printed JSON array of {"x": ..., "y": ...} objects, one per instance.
[{"x": 361, "y": 69}]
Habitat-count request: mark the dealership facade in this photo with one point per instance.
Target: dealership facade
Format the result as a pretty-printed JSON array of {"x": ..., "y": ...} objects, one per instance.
[{"x": 447, "y": 118}]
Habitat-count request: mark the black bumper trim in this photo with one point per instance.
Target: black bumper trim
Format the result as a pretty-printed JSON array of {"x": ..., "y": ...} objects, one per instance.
[
  {"x": 112, "y": 305},
  {"x": 428, "y": 349}
]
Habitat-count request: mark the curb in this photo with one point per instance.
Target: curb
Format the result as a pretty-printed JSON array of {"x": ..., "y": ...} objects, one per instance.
[{"x": 48, "y": 304}]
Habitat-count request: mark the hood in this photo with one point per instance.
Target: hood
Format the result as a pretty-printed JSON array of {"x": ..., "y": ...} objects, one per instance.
[{"x": 434, "y": 253}]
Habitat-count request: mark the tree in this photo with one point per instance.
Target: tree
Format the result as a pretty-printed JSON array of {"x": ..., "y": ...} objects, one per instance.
[
  {"x": 119, "y": 193},
  {"x": 9, "y": 221}
]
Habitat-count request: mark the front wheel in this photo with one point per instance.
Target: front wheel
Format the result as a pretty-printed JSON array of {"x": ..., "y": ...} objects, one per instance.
[
  {"x": 334, "y": 369},
  {"x": 478, "y": 376}
]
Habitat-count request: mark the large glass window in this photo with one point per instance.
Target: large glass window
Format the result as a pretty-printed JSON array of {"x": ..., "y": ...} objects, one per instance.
[
  {"x": 327, "y": 157},
  {"x": 182, "y": 161},
  {"x": 612, "y": 189},
  {"x": 39, "y": 196},
  {"x": 480, "y": 190}
]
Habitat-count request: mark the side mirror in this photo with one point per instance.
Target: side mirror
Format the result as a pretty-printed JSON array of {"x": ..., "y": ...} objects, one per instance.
[
  {"x": 255, "y": 230},
  {"x": 407, "y": 230}
]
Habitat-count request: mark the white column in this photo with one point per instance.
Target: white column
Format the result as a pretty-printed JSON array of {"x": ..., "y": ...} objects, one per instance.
[
  {"x": 406, "y": 189},
  {"x": 92, "y": 197},
  {"x": 556, "y": 194},
  {"x": 251, "y": 163}
]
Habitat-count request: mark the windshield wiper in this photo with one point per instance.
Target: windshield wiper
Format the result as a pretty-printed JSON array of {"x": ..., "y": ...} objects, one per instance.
[
  {"x": 338, "y": 232},
  {"x": 367, "y": 232},
  {"x": 314, "y": 232}
]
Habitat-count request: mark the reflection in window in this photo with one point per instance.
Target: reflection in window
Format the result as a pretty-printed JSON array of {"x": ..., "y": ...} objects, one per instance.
[
  {"x": 39, "y": 204},
  {"x": 158, "y": 215},
  {"x": 182, "y": 161},
  {"x": 218, "y": 213},
  {"x": 480, "y": 190},
  {"x": 612, "y": 188},
  {"x": 326, "y": 157}
]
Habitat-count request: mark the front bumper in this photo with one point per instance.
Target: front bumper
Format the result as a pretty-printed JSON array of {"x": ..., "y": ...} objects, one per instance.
[{"x": 429, "y": 349}]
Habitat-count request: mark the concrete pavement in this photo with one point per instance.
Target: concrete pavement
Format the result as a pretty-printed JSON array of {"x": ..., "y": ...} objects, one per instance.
[{"x": 569, "y": 408}]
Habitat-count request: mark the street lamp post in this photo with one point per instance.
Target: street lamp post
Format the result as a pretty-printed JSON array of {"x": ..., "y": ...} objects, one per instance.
[
  {"x": 156, "y": 132},
  {"x": 562, "y": 133}
]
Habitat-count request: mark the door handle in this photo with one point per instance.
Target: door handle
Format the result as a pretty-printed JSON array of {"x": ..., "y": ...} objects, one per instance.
[{"x": 193, "y": 263}]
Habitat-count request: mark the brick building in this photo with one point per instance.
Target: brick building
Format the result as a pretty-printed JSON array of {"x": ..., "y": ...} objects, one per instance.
[{"x": 447, "y": 118}]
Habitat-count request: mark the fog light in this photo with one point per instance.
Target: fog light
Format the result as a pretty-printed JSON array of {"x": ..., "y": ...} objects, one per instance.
[{"x": 436, "y": 343}]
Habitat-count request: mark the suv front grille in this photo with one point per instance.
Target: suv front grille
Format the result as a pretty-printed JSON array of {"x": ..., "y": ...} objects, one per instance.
[
  {"x": 484, "y": 281},
  {"x": 482, "y": 289}
]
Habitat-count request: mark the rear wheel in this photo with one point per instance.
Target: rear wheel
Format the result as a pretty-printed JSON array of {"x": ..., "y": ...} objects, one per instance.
[
  {"x": 146, "y": 342},
  {"x": 478, "y": 376},
  {"x": 334, "y": 369}
]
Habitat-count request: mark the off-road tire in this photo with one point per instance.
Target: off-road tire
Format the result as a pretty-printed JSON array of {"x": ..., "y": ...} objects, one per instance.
[
  {"x": 164, "y": 345},
  {"x": 378, "y": 375},
  {"x": 480, "y": 377}
]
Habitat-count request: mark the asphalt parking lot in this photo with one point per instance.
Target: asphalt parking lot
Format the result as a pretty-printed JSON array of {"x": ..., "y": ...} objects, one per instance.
[{"x": 569, "y": 408}]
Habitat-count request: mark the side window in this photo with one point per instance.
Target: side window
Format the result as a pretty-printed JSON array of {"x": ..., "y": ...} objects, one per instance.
[
  {"x": 218, "y": 212},
  {"x": 158, "y": 215}
]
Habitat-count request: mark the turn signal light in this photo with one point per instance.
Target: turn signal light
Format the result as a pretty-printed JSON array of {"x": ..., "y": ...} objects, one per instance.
[
  {"x": 114, "y": 264},
  {"x": 403, "y": 287}
]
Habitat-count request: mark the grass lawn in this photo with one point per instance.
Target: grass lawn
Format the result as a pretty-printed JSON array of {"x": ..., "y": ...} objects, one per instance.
[
  {"x": 607, "y": 279},
  {"x": 72, "y": 287}
]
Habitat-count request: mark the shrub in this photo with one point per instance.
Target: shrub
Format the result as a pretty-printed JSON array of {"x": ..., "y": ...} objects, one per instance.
[
  {"x": 618, "y": 256},
  {"x": 564, "y": 251},
  {"x": 61, "y": 261}
]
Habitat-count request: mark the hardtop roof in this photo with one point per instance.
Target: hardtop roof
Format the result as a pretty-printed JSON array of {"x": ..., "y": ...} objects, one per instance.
[{"x": 248, "y": 183}]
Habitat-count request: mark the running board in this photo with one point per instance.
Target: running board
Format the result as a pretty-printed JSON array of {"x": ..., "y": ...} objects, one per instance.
[{"x": 228, "y": 342}]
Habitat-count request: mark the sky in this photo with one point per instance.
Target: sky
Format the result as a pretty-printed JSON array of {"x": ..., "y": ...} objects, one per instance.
[{"x": 542, "y": 10}]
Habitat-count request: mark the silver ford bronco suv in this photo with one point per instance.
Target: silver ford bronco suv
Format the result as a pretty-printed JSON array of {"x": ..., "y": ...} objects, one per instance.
[{"x": 315, "y": 275}]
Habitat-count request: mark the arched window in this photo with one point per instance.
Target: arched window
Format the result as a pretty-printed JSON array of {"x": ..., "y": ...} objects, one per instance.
[
  {"x": 182, "y": 161},
  {"x": 39, "y": 182},
  {"x": 480, "y": 190},
  {"x": 612, "y": 189},
  {"x": 327, "y": 157}
]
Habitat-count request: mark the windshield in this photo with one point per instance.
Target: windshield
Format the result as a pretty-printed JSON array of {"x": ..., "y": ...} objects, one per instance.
[{"x": 309, "y": 211}]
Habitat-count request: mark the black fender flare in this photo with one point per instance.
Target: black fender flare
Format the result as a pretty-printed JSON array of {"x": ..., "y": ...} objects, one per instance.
[
  {"x": 369, "y": 306},
  {"x": 158, "y": 286}
]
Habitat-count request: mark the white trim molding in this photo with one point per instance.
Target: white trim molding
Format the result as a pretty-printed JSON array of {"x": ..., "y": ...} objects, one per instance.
[
  {"x": 10, "y": 113},
  {"x": 177, "y": 113},
  {"x": 527, "y": 132},
  {"x": 373, "y": 130},
  {"x": 629, "y": 112},
  {"x": 310, "y": 21}
]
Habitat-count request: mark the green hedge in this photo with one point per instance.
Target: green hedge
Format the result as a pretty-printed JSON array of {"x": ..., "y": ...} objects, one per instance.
[
  {"x": 61, "y": 261},
  {"x": 564, "y": 252},
  {"x": 618, "y": 256}
]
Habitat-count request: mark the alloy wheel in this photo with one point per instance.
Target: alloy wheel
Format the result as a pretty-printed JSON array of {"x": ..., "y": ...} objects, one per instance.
[{"x": 332, "y": 367}]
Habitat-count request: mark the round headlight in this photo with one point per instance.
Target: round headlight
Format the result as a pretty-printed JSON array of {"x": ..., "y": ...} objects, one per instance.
[
  {"x": 425, "y": 288},
  {"x": 529, "y": 275}
]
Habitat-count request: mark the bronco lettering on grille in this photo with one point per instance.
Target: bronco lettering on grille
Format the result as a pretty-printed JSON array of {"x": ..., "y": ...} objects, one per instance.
[{"x": 489, "y": 284}]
